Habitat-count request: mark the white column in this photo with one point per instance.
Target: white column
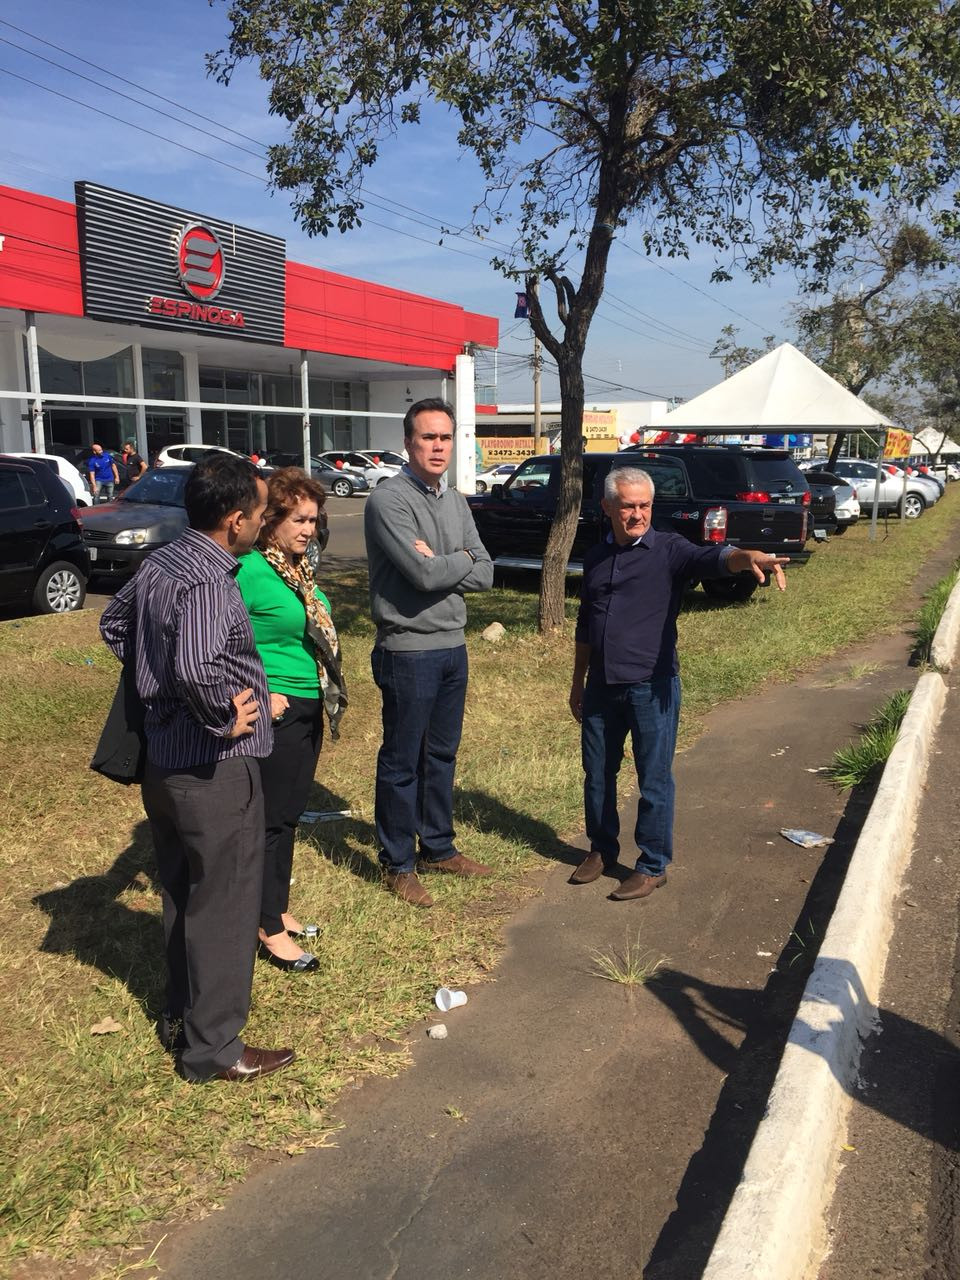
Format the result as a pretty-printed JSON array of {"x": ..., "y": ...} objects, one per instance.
[
  {"x": 191, "y": 384},
  {"x": 305, "y": 401},
  {"x": 141, "y": 412},
  {"x": 14, "y": 422},
  {"x": 33, "y": 370},
  {"x": 463, "y": 471}
]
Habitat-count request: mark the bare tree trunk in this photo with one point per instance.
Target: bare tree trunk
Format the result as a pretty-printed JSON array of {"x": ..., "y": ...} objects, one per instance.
[{"x": 550, "y": 615}]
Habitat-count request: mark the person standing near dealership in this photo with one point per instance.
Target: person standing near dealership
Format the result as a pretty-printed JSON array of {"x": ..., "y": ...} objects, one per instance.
[
  {"x": 424, "y": 555},
  {"x": 133, "y": 465},
  {"x": 181, "y": 620},
  {"x": 625, "y": 675},
  {"x": 102, "y": 471}
]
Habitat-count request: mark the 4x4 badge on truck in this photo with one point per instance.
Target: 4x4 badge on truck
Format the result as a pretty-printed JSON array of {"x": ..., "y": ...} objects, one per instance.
[{"x": 685, "y": 515}]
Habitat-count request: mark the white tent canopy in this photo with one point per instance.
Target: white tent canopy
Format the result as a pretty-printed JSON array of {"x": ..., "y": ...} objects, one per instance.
[
  {"x": 782, "y": 391},
  {"x": 929, "y": 438}
]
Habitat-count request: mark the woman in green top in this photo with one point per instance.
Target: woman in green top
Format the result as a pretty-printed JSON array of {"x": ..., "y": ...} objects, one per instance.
[{"x": 298, "y": 646}]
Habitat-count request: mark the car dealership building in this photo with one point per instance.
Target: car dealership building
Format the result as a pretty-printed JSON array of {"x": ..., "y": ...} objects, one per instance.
[{"x": 124, "y": 318}]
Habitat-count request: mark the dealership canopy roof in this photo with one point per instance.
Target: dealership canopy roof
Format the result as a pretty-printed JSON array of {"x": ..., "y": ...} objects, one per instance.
[{"x": 782, "y": 391}]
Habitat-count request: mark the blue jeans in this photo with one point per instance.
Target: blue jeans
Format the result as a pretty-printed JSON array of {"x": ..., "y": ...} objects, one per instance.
[
  {"x": 649, "y": 711},
  {"x": 423, "y": 692}
]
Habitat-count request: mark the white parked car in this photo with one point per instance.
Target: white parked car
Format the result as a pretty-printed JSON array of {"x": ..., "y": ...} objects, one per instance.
[
  {"x": 181, "y": 453},
  {"x": 67, "y": 472},
  {"x": 495, "y": 475},
  {"x": 384, "y": 458},
  {"x": 361, "y": 463}
]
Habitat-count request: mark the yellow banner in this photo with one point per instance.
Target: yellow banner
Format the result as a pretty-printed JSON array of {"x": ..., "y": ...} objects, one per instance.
[
  {"x": 600, "y": 424},
  {"x": 497, "y": 449},
  {"x": 899, "y": 444}
]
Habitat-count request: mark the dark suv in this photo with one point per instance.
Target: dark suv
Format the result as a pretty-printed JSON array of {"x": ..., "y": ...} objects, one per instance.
[
  {"x": 42, "y": 557},
  {"x": 708, "y": 493}
]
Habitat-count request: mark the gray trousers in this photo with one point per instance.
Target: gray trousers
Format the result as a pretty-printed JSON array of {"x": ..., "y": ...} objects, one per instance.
[{"x": 208, "y": 830}]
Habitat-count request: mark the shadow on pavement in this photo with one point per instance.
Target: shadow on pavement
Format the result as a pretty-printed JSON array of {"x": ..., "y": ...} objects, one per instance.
[{"x": 715, "y": 1017}]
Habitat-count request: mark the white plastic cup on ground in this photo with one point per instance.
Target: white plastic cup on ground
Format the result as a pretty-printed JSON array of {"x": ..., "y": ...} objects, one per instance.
[{"x": 445, "y": 999}]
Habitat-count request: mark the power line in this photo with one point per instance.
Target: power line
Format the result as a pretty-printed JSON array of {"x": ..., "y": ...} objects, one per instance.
[
  {"x": 609, "y": 295},
  {"x": 660, "y": 267},
  {"x": 77, "y": 102},
  {"x": 132, "y": 83},
  {"x": 376, "y": 198},
  {"x": 128, "y": 97}
]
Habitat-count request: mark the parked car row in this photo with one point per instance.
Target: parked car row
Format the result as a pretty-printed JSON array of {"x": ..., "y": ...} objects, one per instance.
[
  {"x": 707, "y": 493},
  {"x": 43, "y": 560},
  {"x": 120, "y": 535},
  {"x": 920, "y": 493}
]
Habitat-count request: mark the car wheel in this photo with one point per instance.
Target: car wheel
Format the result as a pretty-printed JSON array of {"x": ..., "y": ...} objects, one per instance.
[
  {"x": 911, "y": 508},
  {"x": 60, "y": 589},
  {"x": 481, "y": 486},
  {"x": 730, "y": 590},
  {"x": 342, "y": 488}
]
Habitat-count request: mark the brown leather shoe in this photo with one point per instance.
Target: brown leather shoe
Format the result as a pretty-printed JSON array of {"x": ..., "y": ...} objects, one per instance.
[
  {"x": 638, "y": 885},
  {"x": 256, "y": 1062},
  {"x": 590, "y": 869},
  {"x": 458, "y": 865},
  {"x": 406, "y": 885}
]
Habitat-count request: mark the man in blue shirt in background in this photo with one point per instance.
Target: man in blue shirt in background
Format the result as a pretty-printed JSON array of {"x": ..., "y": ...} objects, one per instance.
[
  {"x": 625, "y": 675},
  {"x": 103, "y": 473}
]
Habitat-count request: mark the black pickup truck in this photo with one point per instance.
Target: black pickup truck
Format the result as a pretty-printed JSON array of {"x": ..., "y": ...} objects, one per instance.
[{"x": 708, "y": 493}]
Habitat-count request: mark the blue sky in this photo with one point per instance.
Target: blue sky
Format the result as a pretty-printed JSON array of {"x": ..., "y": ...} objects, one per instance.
[{"x": 47, "y": 142}]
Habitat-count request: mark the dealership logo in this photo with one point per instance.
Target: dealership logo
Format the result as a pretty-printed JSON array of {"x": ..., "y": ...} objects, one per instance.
[{"x": 200, "y": 262}]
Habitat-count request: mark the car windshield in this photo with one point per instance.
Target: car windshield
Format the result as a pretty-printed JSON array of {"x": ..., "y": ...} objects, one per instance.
[{"x": 163, "y": 487}]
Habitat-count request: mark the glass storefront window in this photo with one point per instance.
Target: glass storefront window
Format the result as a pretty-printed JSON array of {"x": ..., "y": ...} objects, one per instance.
[
  {"x": 110, "y": 377},
  {"x": 163, "y": 375},
  {"x": 62, "y": 377}
]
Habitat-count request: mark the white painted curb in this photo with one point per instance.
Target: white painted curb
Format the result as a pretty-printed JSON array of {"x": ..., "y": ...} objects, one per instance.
[
  {"x": 944, "y": 647},
  {"x": 773, "y": 1229}
]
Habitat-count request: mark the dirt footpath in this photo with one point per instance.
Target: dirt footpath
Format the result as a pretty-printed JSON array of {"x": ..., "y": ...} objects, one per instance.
[{"x": 569, "y": 1125}]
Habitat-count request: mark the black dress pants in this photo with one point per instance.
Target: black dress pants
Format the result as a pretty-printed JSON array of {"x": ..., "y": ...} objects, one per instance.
[
  {"x": 207, "y": 825},
  {"x": 287, "y": 774}
]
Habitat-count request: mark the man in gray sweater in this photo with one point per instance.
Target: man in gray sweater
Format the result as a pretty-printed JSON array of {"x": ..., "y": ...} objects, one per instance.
[{"x": 424, "y": 554}]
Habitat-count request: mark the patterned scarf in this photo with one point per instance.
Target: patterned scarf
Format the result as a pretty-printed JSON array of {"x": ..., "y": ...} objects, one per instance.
[{"x": 323, "y": 634}]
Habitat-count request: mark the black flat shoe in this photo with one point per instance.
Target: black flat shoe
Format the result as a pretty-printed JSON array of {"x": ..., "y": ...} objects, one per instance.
[{"x": 305, "y": 963}]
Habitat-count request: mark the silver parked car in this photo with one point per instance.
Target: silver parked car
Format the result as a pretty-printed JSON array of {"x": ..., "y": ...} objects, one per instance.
[{"x": 892, "y": 500}]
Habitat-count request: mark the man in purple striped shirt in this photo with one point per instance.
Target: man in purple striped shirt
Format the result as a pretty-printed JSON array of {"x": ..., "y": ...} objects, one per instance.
[{"x": 182, "y": 622}]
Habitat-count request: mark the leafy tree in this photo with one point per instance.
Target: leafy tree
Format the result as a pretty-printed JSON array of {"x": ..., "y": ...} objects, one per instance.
[
  {"x": 760, "y": 128},
  {"x": 932, "y": 365},
  {"x": 733, "y": 355},
  {"x": 866, "y": 332}
]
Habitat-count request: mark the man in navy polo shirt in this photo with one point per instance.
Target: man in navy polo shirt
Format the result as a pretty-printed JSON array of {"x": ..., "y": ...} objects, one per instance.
[
  {"x": 625, "y": 672},
  {"x": 102, "y": 469}
]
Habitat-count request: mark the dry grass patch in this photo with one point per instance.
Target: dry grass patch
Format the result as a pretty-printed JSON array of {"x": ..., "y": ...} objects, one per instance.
[{"x": 97, "y": 1135}]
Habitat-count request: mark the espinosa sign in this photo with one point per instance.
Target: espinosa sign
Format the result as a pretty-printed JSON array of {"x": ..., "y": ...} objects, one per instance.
[
  {"x": 201, "y": 268},
  {"x": 151, "y": 264}
]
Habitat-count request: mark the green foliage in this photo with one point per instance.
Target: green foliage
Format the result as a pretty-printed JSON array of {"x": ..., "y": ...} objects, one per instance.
[
  {"x": 762, "y": 130},
  {"x": 872, "y": 329},
  {"x": 861, "y": 761},
  {"x": 931, "y": 611}
]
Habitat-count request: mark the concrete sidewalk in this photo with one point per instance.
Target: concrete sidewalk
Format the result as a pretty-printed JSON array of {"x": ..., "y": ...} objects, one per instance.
[
  {"x": 600, "y": 1130},
  {"x": 896, "y": 1209}
]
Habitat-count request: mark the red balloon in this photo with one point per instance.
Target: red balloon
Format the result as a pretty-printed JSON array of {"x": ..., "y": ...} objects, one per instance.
[
  {"x": 339, "y": 464},
  {"x": 376, "y": 459},
  {"x": 635, "y": 438}
]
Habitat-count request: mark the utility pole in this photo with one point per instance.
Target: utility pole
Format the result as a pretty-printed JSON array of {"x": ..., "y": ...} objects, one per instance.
[{"x": 536, "y": 386}]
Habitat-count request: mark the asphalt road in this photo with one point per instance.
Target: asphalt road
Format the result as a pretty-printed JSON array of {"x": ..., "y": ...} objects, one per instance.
[{"x": 896, "y": 1210}]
